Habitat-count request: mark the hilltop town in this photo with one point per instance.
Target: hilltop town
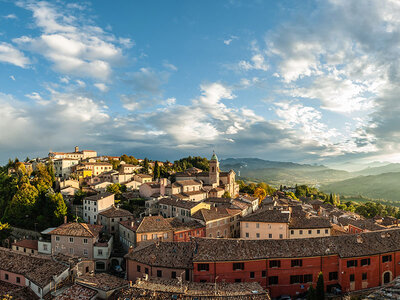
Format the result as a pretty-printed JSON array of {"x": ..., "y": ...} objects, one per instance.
[{"x": 117, "y": 227}]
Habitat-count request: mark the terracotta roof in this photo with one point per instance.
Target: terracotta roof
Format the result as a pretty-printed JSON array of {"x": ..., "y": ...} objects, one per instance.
[
  {"x": 179, "y": 226},
  {"x": 154, "y": 224},
  {"x": 30, "y": 244},
  {"x": 114, "y": 212},
  {"x": 129, "y": 224},
  {"x": 191, "y": 193},
  {"x": 76, "y": 292},
  {"x": 99, "y": 196},
  {"x": 153, "y": 185},
  {"x": 102, "y": 281},
  {"x": 38, "y": 269},
  {"x": 305, "y": 222},
  {"x": 97, "y": 164},
  {"x": 215, "y": 213},
  {"x": 77, "y": 229},
  {"x": 178, "y": 203},
  {"x": 268, "y": 216},
  {"x": 164, "y": 254},
  {"x": 390, "y": 291},
  {"x": 144, "y": 175},
  {"x": 362, "y": 224},
  {"x": 188, "y": 182},
  {"x": 16, "y": 292}
]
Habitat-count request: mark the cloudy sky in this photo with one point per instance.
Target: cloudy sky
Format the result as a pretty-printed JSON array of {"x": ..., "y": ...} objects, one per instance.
[{"x": 304, "y": 81}]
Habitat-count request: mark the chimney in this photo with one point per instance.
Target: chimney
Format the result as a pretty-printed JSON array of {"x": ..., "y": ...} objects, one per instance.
[
  {"x": 76, "y": 149},
  {"x": 65, "y": 219},
  {"x": 359, "y": 239}
]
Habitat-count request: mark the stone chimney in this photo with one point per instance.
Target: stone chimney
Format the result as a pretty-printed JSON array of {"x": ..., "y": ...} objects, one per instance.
[{"x": 65, "y": 219}]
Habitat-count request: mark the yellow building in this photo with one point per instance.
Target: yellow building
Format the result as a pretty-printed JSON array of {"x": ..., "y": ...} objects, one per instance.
[{"x": 83, "y": 173}]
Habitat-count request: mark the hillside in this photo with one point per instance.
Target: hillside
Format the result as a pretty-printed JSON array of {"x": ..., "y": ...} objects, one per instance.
[
  {"x": 382, "y": 186},
  {"x": 378, "y": 170},
  {"x": 286, "y": 173}
]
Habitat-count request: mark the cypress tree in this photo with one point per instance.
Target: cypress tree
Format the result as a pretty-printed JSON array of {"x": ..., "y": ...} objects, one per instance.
[{"x": 320, "y": 289}]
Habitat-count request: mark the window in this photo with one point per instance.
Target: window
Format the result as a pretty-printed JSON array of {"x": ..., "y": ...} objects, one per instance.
[
  {"x": 85, "y": 252},
  {"x": 237, "y": 280},
  {"x": 159, "y": 273},
  {"x": 297, "y": 262},
  {"x": 45, "y": 247},
  {"x": 85, "y": 241},
  {"x": 100, "y": 251},
  {"x": 274, "y": 263},
  {"x": 17, "y": 248},
  {"x": 351, "y": 263},
  {"x": 270, "y": 236},
  {"x": 364, "y": 276},
  {"x": 138, "y": 268},
  {"x": 333, "y": 275},
  {"x": 146, "y": 270},
  {"x": 301, "y": 232},
  {"x": 258, "y": 235},
  {"x": 309, "y": 231},
  {"x": 326, "y": 231},
  {"x": 318, "y": 231},
  {"x": 144, "y": 237},
  {"x": 365, "y": 262},
  {"x": 252, "y": 275},
  {"x": 307, "y": 278},
  {"x": 296, "y": 279},
  {"x": 180, "y": 235},
  {"x": 173, "y": 274},
  {"x": 263, "y": 273},
  {"x": 352, "y": 277},
  {"x": 247, "y": 225},
  {"x": 71, "y": 250},
  {"x": 71, "y": 239},
  {"x": 272, "y": 280},
  {"x": 291, "y": 231},
  {"x": 57, "y": 238},
  {"x": 6, "y": 276},
  {"x": 281, "y": 236},
  {"x": 166, "y": 235},
  {"x": 247, "y": 234},
  {"x": 238, "y": 266},
  {"x": 18, "y": 279},
  {"x": 386, "y": 258},
  {"x": 203, "y": 267},
  {"x": 257, "y": 225}
]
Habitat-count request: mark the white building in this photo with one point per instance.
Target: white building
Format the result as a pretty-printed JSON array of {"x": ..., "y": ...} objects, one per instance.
[
  {"x": 63, "y": 166},
  {"x": 92, "y": 205}
]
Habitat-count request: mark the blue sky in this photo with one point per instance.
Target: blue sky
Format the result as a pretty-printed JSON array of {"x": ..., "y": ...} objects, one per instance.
[{"x": 303, "y": 81}]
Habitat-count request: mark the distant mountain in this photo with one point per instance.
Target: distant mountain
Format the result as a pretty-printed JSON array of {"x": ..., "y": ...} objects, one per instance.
[
  {"x": 286, "y": 173},
  {"x": 378, "y": 170},
  {"x": 381, "y": 186}
]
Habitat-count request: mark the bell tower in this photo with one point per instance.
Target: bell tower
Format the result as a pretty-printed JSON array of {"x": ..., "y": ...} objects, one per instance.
[{"x": 214, "y": 170}]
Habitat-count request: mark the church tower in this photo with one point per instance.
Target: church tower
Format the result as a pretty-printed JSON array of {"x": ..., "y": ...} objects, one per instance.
[{"x": 214, "y": 171}]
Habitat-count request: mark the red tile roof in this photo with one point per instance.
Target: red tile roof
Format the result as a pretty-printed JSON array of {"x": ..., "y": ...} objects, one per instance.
[
  {"x": 77, "y": 229},
  {"x": 30, "y": 244}
]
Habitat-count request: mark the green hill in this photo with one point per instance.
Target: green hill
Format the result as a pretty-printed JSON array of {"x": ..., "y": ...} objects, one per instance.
[{"x": 382, "y": 186}]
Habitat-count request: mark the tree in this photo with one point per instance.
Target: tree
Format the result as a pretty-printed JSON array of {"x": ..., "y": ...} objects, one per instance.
[
  {"x": 5, "y": 230},
  {"x": 260, "y": 193},
  {"x": 320, "y": 289},
  {"x": 60, "y": 210},
  {"x": 281, "y": 188},
  {"x": 114, "y": 188},
  {"x": 156, "y": 170},
  {"x": 226, "y": 195},
  {"x": 311, "y": 295}
]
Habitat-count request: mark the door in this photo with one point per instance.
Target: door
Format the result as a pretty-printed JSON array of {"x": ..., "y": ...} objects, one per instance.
[{"x": 386, "y": 277}]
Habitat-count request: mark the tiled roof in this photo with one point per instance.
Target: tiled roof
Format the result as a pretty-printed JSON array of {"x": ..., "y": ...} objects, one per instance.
[
  {"x": 187, "y": 182},
  {"x": 114, "y": 212},
  {"x": 179, "y": 226},
  {"x": 178, "y": 203},
  {"x": 154, "y": 224},
  {"x": 165, "y": 254},
  {"x": 76, "y": 292},
  {"x": 77, "y": 229},
  {"x": 16, "y": 292},
  {"x": 102, "y": 281},
  {"x": 268, "y": 216},
  {"x": 38, "y": 269},
  {"x": 30, "y": 244},
  {"x": 390, "y": 291},
  {"x": 98, "y": 197},
  {"x": 131, "y": 225},
  {"x": 144, "y": 176},
  {"x": 362, "y": 224},
  {"x": 305, "y": 222},
  {"x": 215, "y": 213},
  {"x": 191, "y": 193}
]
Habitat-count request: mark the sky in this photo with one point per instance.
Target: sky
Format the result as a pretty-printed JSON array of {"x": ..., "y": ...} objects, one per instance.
[{"x": 303, "y": 81}]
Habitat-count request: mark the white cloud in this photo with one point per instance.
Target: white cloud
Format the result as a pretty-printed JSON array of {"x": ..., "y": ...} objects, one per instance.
[
  {"x": 257, "y": 63},
  {"x": 74, "y": 47},
  {"x": 230, "y": 40},
  {"x": 10, "y": 16},
  {"x": 102, "y": 87},
  {"x": 12, "y": 77},
  {"x": 10, "y": 54},
  {"x": 170, "y": 66}
]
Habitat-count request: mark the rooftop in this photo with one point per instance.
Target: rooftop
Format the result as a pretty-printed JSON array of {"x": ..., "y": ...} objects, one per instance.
[
  {"x": 368, "y": 224},
  {"x": 98, "y": 197},
  {"x": 102, "y": 281},
  {"x": 306, "y": 222},
  {"x": 215, "y": 213},
  {"x": 268, "y": 216},
  {"x": 154, "y": 224},
  {"x": 38, "y": 269},
  {"x": 390, "y": 291},
  {"x": 30, "y": 244},
  {"x": 77, "y": 229},
  {"x": 114, "y": 212},
  {"x": 178, "y": 203},
  {"x": 77, "y": 292}
]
